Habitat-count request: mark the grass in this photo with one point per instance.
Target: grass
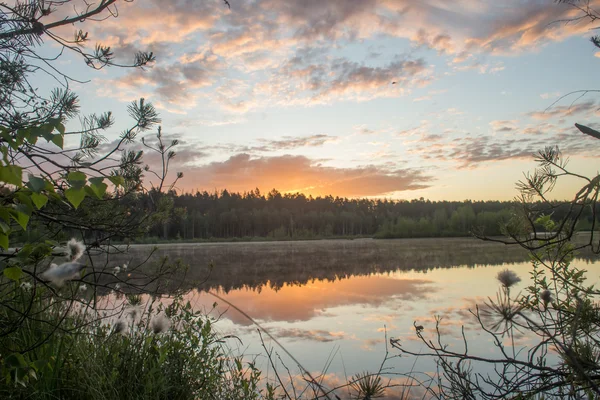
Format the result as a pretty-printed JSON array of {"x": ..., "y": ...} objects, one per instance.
[{"x": 63, "y": 349}]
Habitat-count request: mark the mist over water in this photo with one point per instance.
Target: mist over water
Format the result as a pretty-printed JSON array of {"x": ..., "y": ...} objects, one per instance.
[{"x": 334, "y": 303}]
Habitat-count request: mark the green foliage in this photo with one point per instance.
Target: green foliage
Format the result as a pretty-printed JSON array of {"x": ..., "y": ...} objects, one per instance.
[{"x": 189, "y": 361}]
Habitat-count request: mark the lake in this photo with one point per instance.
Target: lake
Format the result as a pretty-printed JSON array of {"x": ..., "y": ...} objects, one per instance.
[{"x": 332, "y": 303}]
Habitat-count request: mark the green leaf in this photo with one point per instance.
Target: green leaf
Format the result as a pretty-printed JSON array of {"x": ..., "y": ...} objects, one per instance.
[
  {"x": 39, "y": 200},
  {"x": 4, "y": 228},
  {"x": 16, "y": 360},
  {"x": 58, "y": 125},
  {"x": 21, "y": 215},
  {"x": 24, "y": 198},
  {"x": 4, "y": 151},
  {"x": 58, "y": 140},
  {"x": 117, "y": 180},
  {"x": 99, "y": 188},
  {"x": 14, "y": 274},
  {"x": 75, "y": 196},
  {"x": 5, "y": 213},
  {"x": 36, "y": 184},
  {"x": 4, "y": 241},
  {"x": 96, "y": 180},
  {"x": 76, "y": 176},
  {"x": 12, "y": 174},
  {"x": 44, "y": 131}
]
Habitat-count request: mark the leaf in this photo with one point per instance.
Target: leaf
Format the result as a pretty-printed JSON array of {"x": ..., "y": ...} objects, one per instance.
[
  {"x": 99, "y": 189},
  {"x": 60, "y": 127},
  {"x": 24, "y": 197},
  {"x": 35, "y": 183},
  {"x": 39, "y": 200},
  {"x": 5, "y": 213},
  {"x": 21, "y": 216},
  {"x": 58, "y": 140},
  {"x": 117, "y": 180},
  {"x": 96, "y": 180},
  {"x": 4, "y": 151},
  {"x": 4, "y": 241},
  {"x": 4, "y": 227},
  {"x": 11, "y": 174},
  {"x": 75, "y": 196},
  {"x": 16, "y": 360},
  {"x": 13, "y": 273},
  {"x": 76, "y": 176},
  {"x": 588, "y": 131}
]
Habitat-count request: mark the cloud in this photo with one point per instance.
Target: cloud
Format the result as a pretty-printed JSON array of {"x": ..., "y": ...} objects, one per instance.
[
  {"x": 422, "y": 98},
  {"x": 584, "y": 108},
  {"x": 290, "y": 173},
  {"x": 293, "y": 303},
  {"x": 287, "y": 49},
  {"x": 307, "y": 79},
  {"x": 292, "y": 142},
  {"x": 316, "y": 335},
  {"x": 469, "y": 151},
  {"x": 550, "y": 95},
  {"x": 504, "y": 126},
  {"x": 174, "y": 84}
]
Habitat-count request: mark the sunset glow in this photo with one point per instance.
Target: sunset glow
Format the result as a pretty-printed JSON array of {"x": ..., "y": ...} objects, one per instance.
[{"x": 397, "y": 99}]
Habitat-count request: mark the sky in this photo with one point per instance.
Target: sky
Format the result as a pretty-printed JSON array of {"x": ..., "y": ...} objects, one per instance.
[{"x": 446, "y": 100}]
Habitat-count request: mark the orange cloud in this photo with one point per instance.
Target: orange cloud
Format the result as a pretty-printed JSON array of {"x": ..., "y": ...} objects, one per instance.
[
  {"x": 268, "y": 36},
  {"x": 294, "y": 303},
  {"x": 300, "y": 174}
]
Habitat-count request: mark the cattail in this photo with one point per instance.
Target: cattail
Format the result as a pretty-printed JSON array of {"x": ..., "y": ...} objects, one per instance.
[
  {"x": 546, "y": 297},
  {"x": 160, "y": 323},
  {"x": 58, "y": 274},
  {"x": 75, "y": 250},
  {"x": 508, "y": 278}
]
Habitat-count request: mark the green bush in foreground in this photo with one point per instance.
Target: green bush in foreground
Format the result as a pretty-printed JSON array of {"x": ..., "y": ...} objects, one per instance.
[{"x": 147, "y": 351}]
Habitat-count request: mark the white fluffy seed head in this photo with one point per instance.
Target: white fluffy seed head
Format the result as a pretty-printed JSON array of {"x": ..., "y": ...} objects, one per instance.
[
  {"x": 119, "y": 326},
  {"x": 58, "y": 274},
  {"x": 75, "y": 250},
  {"x": 116, "y": 270},
  {"x": 160, "y": 323},
  {"x": 508, "y": 278}
]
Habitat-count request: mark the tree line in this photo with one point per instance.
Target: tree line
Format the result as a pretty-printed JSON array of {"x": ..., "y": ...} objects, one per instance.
[{"x": 226, "y": 215}]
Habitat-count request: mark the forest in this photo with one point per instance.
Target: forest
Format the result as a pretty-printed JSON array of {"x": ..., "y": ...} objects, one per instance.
[{"x": 281, "y": 216}]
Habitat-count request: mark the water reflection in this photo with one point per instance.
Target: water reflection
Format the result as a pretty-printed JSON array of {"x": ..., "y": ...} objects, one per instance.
[
  {"x": 293, "y": 303},
  {"x": 335, "y": 302},
  {"x": 276, "y": 264}
]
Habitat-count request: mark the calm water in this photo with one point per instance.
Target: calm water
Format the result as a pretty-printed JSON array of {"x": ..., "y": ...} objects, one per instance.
[{"x": 332, "y": 303}]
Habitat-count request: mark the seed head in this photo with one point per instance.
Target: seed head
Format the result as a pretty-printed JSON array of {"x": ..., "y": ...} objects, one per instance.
[
  {"x": 116, "y": 270},
  {"x": 119, "y": 326},
  {"x": 26, "y": 286},
  {"x": 160, "y": 324},
  {"x": 75, "y": 250},
  {"x": 546, "y": 297},
  {"x": 508, "y": 278},
  {"x": 58, "y": 274}
]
